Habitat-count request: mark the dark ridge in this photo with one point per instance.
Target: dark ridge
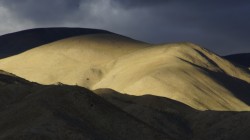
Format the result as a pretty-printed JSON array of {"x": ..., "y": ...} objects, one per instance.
[
  {"x": 242, "y": 59},
  {"x": 58, "y": 112},
  {"x": 61, "y": 112},
  {"x": 180, "y": 121},
  {"x": 18, "y": 42},
  {"x": 239, "y": 88}
]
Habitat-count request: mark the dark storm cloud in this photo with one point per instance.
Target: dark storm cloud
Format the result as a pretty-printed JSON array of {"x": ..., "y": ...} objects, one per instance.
[
  {"x": 43, "y": 10},
  {"x": 222, "y": 26},
  {"x": 219, "y": 25},
  {"x": 138, "y": 3}
]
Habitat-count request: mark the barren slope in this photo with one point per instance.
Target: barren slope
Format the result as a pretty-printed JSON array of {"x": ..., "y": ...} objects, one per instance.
[
  {"x": 180, "y": 121},
  {"x": 183, "y": 71},
  {"x": 33, "y": 111},
  {"x": 72, "y": 61}
]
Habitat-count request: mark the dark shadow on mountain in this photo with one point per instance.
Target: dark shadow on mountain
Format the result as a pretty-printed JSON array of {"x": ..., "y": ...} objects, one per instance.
[
  {"x": 15, "y": 43},
  {"x": 179, "y": 120},
  {"x": 59, "y": 112},
  {"x": 239, "y": 88},
  {"x": 242, "y": 59}
]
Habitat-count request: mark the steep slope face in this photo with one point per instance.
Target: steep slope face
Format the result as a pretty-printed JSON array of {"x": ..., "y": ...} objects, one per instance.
[
  {"x": 180, "y": 121},
  {"x": 32, "y": 111},
  {"x": 241, "y": 59},
  {"x": 15, "y": 43},
  {"x": 163, "y": 114},
  {"x": 78, "y": 60},
  {"x": 183, "y": 71}
]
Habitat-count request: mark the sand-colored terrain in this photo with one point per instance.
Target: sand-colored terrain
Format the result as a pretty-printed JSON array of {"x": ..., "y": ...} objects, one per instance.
[
  {"x": 103, "y": 86},
  {"x": 72, "y": 61},
  {"x": 182, "y": 71}
]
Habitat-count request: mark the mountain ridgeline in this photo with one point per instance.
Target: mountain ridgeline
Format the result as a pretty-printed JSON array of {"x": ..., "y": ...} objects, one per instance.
[
  {"x": 242, "y": 59},
  {"x": 182, "y": 71},
  {"x": 61, "y": 112},
  {"x": 74, "y": 83},
  {"x": 15, "y": 43}
]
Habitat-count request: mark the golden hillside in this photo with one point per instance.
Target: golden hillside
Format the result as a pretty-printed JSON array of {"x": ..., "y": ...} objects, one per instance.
[{"x": 181, "y": 71}]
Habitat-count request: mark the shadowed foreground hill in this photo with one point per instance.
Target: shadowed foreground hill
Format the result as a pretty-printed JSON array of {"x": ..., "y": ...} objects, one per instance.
[
  {"x": 182, "y": 71},
  {"x": 15, "y": 43},
  {"x": 33, "y": 111},
  {"x": 180, "y": 121}
]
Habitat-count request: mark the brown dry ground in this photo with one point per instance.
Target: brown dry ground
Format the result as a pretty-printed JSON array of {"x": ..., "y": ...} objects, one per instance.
[{"x": 182, "y": 71}]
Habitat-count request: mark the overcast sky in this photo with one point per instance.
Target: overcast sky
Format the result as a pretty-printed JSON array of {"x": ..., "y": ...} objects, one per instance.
[{"x": 222, "y": 26}]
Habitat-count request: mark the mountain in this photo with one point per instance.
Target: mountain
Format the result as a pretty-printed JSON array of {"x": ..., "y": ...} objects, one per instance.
[
  {"x": 181, "y": 121},
  {"x": 75, "y": 60},
  {"x": 15, "y": 43},
  {"x": 182, "y": 71},
  {"x": 241, "y": 59},
  {"x": 34, "y": 111}
]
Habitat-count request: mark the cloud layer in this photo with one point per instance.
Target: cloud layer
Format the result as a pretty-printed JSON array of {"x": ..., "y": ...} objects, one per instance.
[{"x": 221, "y": 26}]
